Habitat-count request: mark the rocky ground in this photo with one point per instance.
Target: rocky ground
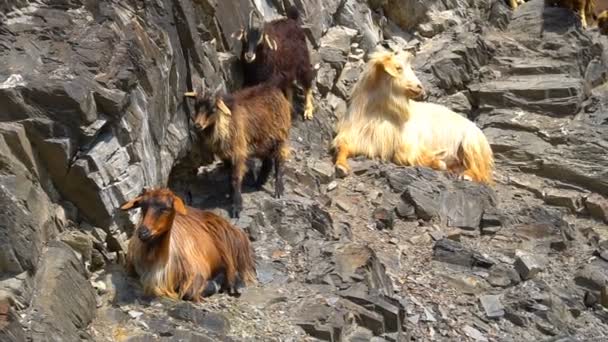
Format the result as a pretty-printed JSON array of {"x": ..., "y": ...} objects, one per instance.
[{"x": 91, "y": 110}]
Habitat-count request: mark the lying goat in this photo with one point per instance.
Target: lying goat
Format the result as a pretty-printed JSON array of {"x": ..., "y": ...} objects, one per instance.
[
  {"x": 277, "y": 46},
  {"x": 176, "y": 250},
  {"x": 252, "y": 122},
  {"x": 383, "y": 121}
]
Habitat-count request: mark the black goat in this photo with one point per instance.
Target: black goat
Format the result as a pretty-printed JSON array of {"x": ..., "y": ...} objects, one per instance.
[{"x": 277, "y": 46}]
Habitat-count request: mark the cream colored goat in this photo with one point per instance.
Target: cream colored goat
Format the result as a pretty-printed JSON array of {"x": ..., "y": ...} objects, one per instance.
[{"x": 384, "y": 122}]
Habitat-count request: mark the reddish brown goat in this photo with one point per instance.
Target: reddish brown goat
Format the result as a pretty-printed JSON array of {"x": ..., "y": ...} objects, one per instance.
[
  {"x": 252, "y": 122},
  {"x": 277, "y": 46},
  {"x": 176, "y": 250}
]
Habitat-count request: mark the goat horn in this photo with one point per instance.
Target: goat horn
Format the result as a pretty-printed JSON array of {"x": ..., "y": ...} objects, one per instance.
[{"x": 251, "y": 18}]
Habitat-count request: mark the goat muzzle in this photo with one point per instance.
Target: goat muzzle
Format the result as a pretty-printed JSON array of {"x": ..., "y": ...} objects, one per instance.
[
  {"x": 416, "y": 92},
  {"x": 249, "y": 57},
  {"x": 144, "y": 234}
]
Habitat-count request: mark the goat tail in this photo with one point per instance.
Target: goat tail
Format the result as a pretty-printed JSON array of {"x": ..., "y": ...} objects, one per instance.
[
  {"x": 477, "y": 157},
  {"x": 293, "y": 13}
]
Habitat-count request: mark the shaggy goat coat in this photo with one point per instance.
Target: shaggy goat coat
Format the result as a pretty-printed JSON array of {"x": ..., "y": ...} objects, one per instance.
[
  {"x": 186, "y": 250},
  {"x": 383, "y": 122}
]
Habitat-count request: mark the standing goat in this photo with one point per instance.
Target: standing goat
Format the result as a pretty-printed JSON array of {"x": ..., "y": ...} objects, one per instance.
[
  {"x": 176, "y": 250},
  {"x": 252, "y": 122},
  {"x": 277, "y": 46},
  {"x": 383, "y": 121}
]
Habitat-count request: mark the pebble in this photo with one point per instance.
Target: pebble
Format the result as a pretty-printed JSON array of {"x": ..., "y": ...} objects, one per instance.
[
  {"x": 332, "y": 185},
  {"x": 135, "y": 314}
]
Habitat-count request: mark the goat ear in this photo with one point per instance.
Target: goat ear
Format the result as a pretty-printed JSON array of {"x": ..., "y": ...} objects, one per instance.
[
  {"x": 132, "y": 204},
  {"x": 222, "y": 106},
  {"x": 272, "y": 44},
  {"x": 179, "y": 206},
  {"x": 238, "y": 35},
  {"x": 391, "y": 68}
]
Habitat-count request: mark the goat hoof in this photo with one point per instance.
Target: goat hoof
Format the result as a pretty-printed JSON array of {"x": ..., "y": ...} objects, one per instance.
[
  {"x": 341, "y": 171},
  {"x": 236, "y": 211},
  {"x": 308, "y": 114}
]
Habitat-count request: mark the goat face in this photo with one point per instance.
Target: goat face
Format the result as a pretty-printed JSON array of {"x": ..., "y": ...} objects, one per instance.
[
  {"x": 398, "y": 68},
  {"x": 159, "y": 207},
  {"x": 253, "y": 37},
  {"x": 208, "y": 110}
]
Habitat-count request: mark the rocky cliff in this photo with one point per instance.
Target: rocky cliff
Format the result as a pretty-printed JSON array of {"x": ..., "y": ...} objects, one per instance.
[{"x": 91, "y": 110}]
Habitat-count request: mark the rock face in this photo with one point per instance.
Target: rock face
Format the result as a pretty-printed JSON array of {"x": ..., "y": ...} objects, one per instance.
[
  {"x": 92, "y": 109},
  {"x": 64, "y": 303}
]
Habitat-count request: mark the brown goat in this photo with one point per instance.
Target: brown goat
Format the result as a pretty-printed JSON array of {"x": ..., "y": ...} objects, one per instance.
[
  {"x": 176, "y": 250},
  {"x": 277, "y": 46},
  {"x": 252, "y": 122}
]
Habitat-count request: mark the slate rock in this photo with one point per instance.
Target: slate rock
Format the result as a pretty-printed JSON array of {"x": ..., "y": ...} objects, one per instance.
[
  {"x": 528, "y": 265},
  {"x": 597, "y": 207},
  {"x": 358, "y": 16},
  {"x": 392, "y": 312},
  {"x": 210, "y": 321},
  {"x": 339, "y": 38},
  {"x": 503, "y": 276},
  {"x": 325, "y": 79},
  {"x": 80, "y": 242},
  {"x": 347, "y": 79},
  {"x": 453, "y": 252},
  {"x": 492, "y": 306},
  {"x": 63, "y": 302},
  {"x": 593, "y": 275},
  {"x": 554, "y": 95},
  {"x": 461, "y": 209},
  {"x": 570, "y": 199}
]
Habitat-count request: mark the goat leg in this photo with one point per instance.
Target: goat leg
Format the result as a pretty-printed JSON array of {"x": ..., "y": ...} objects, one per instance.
[
  {"x": 264, "y": 172},
  {"x": 308, "y": 108},
  {"x": 238, "y": 171},
  {"x": 214, "y": 285},
  {"x": 342, "y": 153},
  {"x": 582, "y": 14},
  {"x": 279, "y": 161}
]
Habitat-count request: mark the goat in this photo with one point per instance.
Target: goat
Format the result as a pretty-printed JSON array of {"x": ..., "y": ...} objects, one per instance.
[
  {"x": 277, "y": 46},
  {"x": 383, "y": 121},
  {"x": 252, "y": 122},
  {"x": 176, "y": 249}
]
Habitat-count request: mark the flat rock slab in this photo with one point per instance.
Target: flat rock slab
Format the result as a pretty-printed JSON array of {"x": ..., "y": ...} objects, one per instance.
[{"x": 554, "y": 95}]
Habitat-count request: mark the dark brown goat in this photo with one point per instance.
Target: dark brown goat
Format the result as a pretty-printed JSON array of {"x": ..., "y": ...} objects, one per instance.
[
  {"x": 277, "y": 46},
  {"x": 252, "y": 122}
]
